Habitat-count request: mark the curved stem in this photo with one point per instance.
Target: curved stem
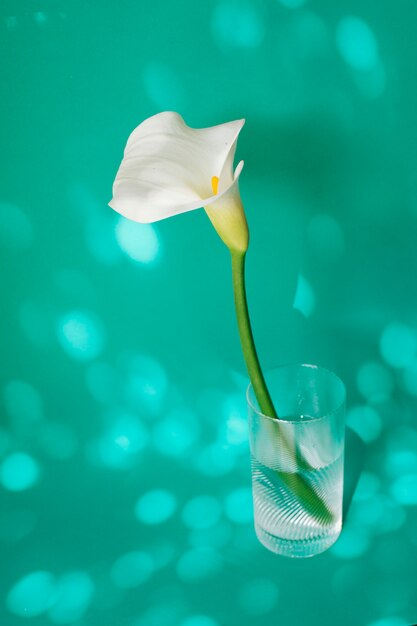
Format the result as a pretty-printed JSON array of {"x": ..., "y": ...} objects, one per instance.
[{"x": 246, "y": 337}]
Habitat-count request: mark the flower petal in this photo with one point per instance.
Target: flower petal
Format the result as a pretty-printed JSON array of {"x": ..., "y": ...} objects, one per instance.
[{"x": 167, "y": 167}]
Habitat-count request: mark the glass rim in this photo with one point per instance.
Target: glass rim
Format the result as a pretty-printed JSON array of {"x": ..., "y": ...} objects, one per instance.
[{"x": 249, "y": 389}]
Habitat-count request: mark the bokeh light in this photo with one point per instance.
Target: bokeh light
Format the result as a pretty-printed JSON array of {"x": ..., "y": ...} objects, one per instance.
[
  {"x": 132, "y": 569},
  {"x": 352, "y": 543},
  {"x": 389, "y": 621},
  {"x": 357, "y": 44},
  {"x": 198, "y": 564},
  {"x": 176, "y": 433},
  {"x": 73, "y": 595},
  {"x": 155, "y": 506},
  {"x": 16, "y": 231},
  {"x": 32, "y": 595},
  {"x": 215, "y": 460},
  {"x": 398, "y": 345},
  {"x": 202, "y": 511},
  {"x": 163, "y": 87},
  {"x": 365, "y": 421},
  {"x": 326, "y": 237},
  {"x": 121, "y": 442},
  {"x": 58, "y": 440},
  {"x": 146, "y": 384},
  {"x": 24, "y": 405},
  {"x": 305, "y": 299},
  {"x": 239, "y": 505},
  {"x": 81, "y": 335},
  {"x": 238, "y": 24},
  {"x": 375, "y": 382},
  {"x": 19, "y": 471},
  {"x": 404, "y": 489},
  {"x": 258, "y": 597},
  {"x": 216, "y": 536},
  {"x": 199, "y": 620},
  {"x": 139, "y": 242}
]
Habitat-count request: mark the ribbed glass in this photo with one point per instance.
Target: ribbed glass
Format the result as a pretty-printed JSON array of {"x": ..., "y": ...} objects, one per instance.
[{"x": 297, "y": 460}]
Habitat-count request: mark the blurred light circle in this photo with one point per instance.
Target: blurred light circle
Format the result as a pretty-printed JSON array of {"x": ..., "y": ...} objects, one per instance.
[
  {"x": 239, "y": 506},
  {"x": 389, "y": 621},
  {"x": 16, "y": 231},
  {"x": 155, "y": 507},
  {"x": 258, "y": 597},
  {"x": 374, "y": 382},
  {"x": 380, "y": 513},
  {"x": 58, "y": 440},
  {"x": 73, "y": 595},
  {"x": 398, "y": 345},
  {"x": 23, "y": 404},
  {"x": 199, "y": 620},
  {"x": 237, "y": 25},
  {"x": 216, "y": 460},
  {"x": 121, "y": 442},
  {"x": 32, "y": 595},
  {"x": 326, "y": 237},
  {"x": 19, "y": 471},
  {"x": 365, "y": 421},
  {"x": 352, "y": 543},
  {"x": 400, "y": 462},
  {"x": 404, "y": 489},
  {"x": 132, "y": 569},
  {"x": 198, "y": 564},
  {"x": 305, "y": 299},
  {"x": 216, "y": 536},
  {"x": 201, "y": 512},
  {"x": 81, "y": 335},
  {"x": 146, "y": 383},
  {"x": 410, "y": 378},
  {"x": 175, "y": 433},
  {"x": 357, "y": 44},
  {"x": 138, "y": 241}
]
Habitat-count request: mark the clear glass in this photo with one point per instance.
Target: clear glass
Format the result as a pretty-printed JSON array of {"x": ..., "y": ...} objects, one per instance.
[{"x": 297, "y": 460}]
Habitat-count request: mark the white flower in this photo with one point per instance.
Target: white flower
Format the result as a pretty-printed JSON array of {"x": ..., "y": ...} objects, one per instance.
[{"x": 169, "y": 168}]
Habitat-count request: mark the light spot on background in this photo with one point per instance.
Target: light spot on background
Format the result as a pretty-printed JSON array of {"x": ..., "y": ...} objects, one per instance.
[
  {"x": 389, "y": 621},
  {"x": 201, "y": 512},
  {"x": 239, "y": 506},
  {"x": 15, "y": 228},
  {"x": 24, "y": 406},
  {"x": 132, "y": 570},
  {"x": 198, "y": 564},
  {"x": 326, "y": 238},
  {"x": 36, "y": 323},
  {"x": 404, "y": 489},
  {"x": 410, "y": 379},
  {"x": 176, "y": 433},
  {"x": 163, "y": 87},
  {"x": 398, "y": 345},
  {"x": 305, "y": 300},
  {"x": 58, "y": 440},
  {"x": 73, "y": 595},
  {"x": 238, "y": 24},
  {"x": 100, "y": 240},
  {"x": 40, "y": 17},
  {"x": 123, "y": 439},
  {"x": 380, "y": 514},
  {"x": 19, "y": 471},
  {"x": 352, "y": 543},
  {"x": 216, "y": 536},
  {"x": 146, "y": 384},
  {"x": 233, "y": 429},
  {"x": 365, "y": 421},
  {"x": 215, "y": 460},
  {"x": 199, "y": 620},
  {"x": 139, "y": 242},
  {"x": 375, "y": 382},
  {"x": 101, "y": 382},
  {"x": 258, "y": 597},
  {"x": 357, "y": 44},
  {"x": 155, "y": 507},
  {"x": 399, "y": 462},
  {"x": 32, "y": 595},
  {"x": 292, "y": 4},
  {"x": 81, "y": 335}
]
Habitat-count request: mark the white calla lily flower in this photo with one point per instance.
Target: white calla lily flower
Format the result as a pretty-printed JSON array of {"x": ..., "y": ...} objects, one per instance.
[{"x": 169, "y": 168}]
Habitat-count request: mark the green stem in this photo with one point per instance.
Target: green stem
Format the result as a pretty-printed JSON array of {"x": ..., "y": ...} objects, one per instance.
[
  {"x": 245, "y": 331},
  {"x": 296, "y": 483}
]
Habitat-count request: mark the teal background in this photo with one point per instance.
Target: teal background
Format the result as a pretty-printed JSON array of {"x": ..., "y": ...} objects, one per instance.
[{"x": 124, "y": 471}]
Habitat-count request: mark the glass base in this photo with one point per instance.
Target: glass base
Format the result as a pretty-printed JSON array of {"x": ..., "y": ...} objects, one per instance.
[{"x": 295, "y": 549}]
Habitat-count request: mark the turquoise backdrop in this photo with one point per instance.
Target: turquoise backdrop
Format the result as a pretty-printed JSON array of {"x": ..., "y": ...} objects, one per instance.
[{"x": 124, "y": 465}]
